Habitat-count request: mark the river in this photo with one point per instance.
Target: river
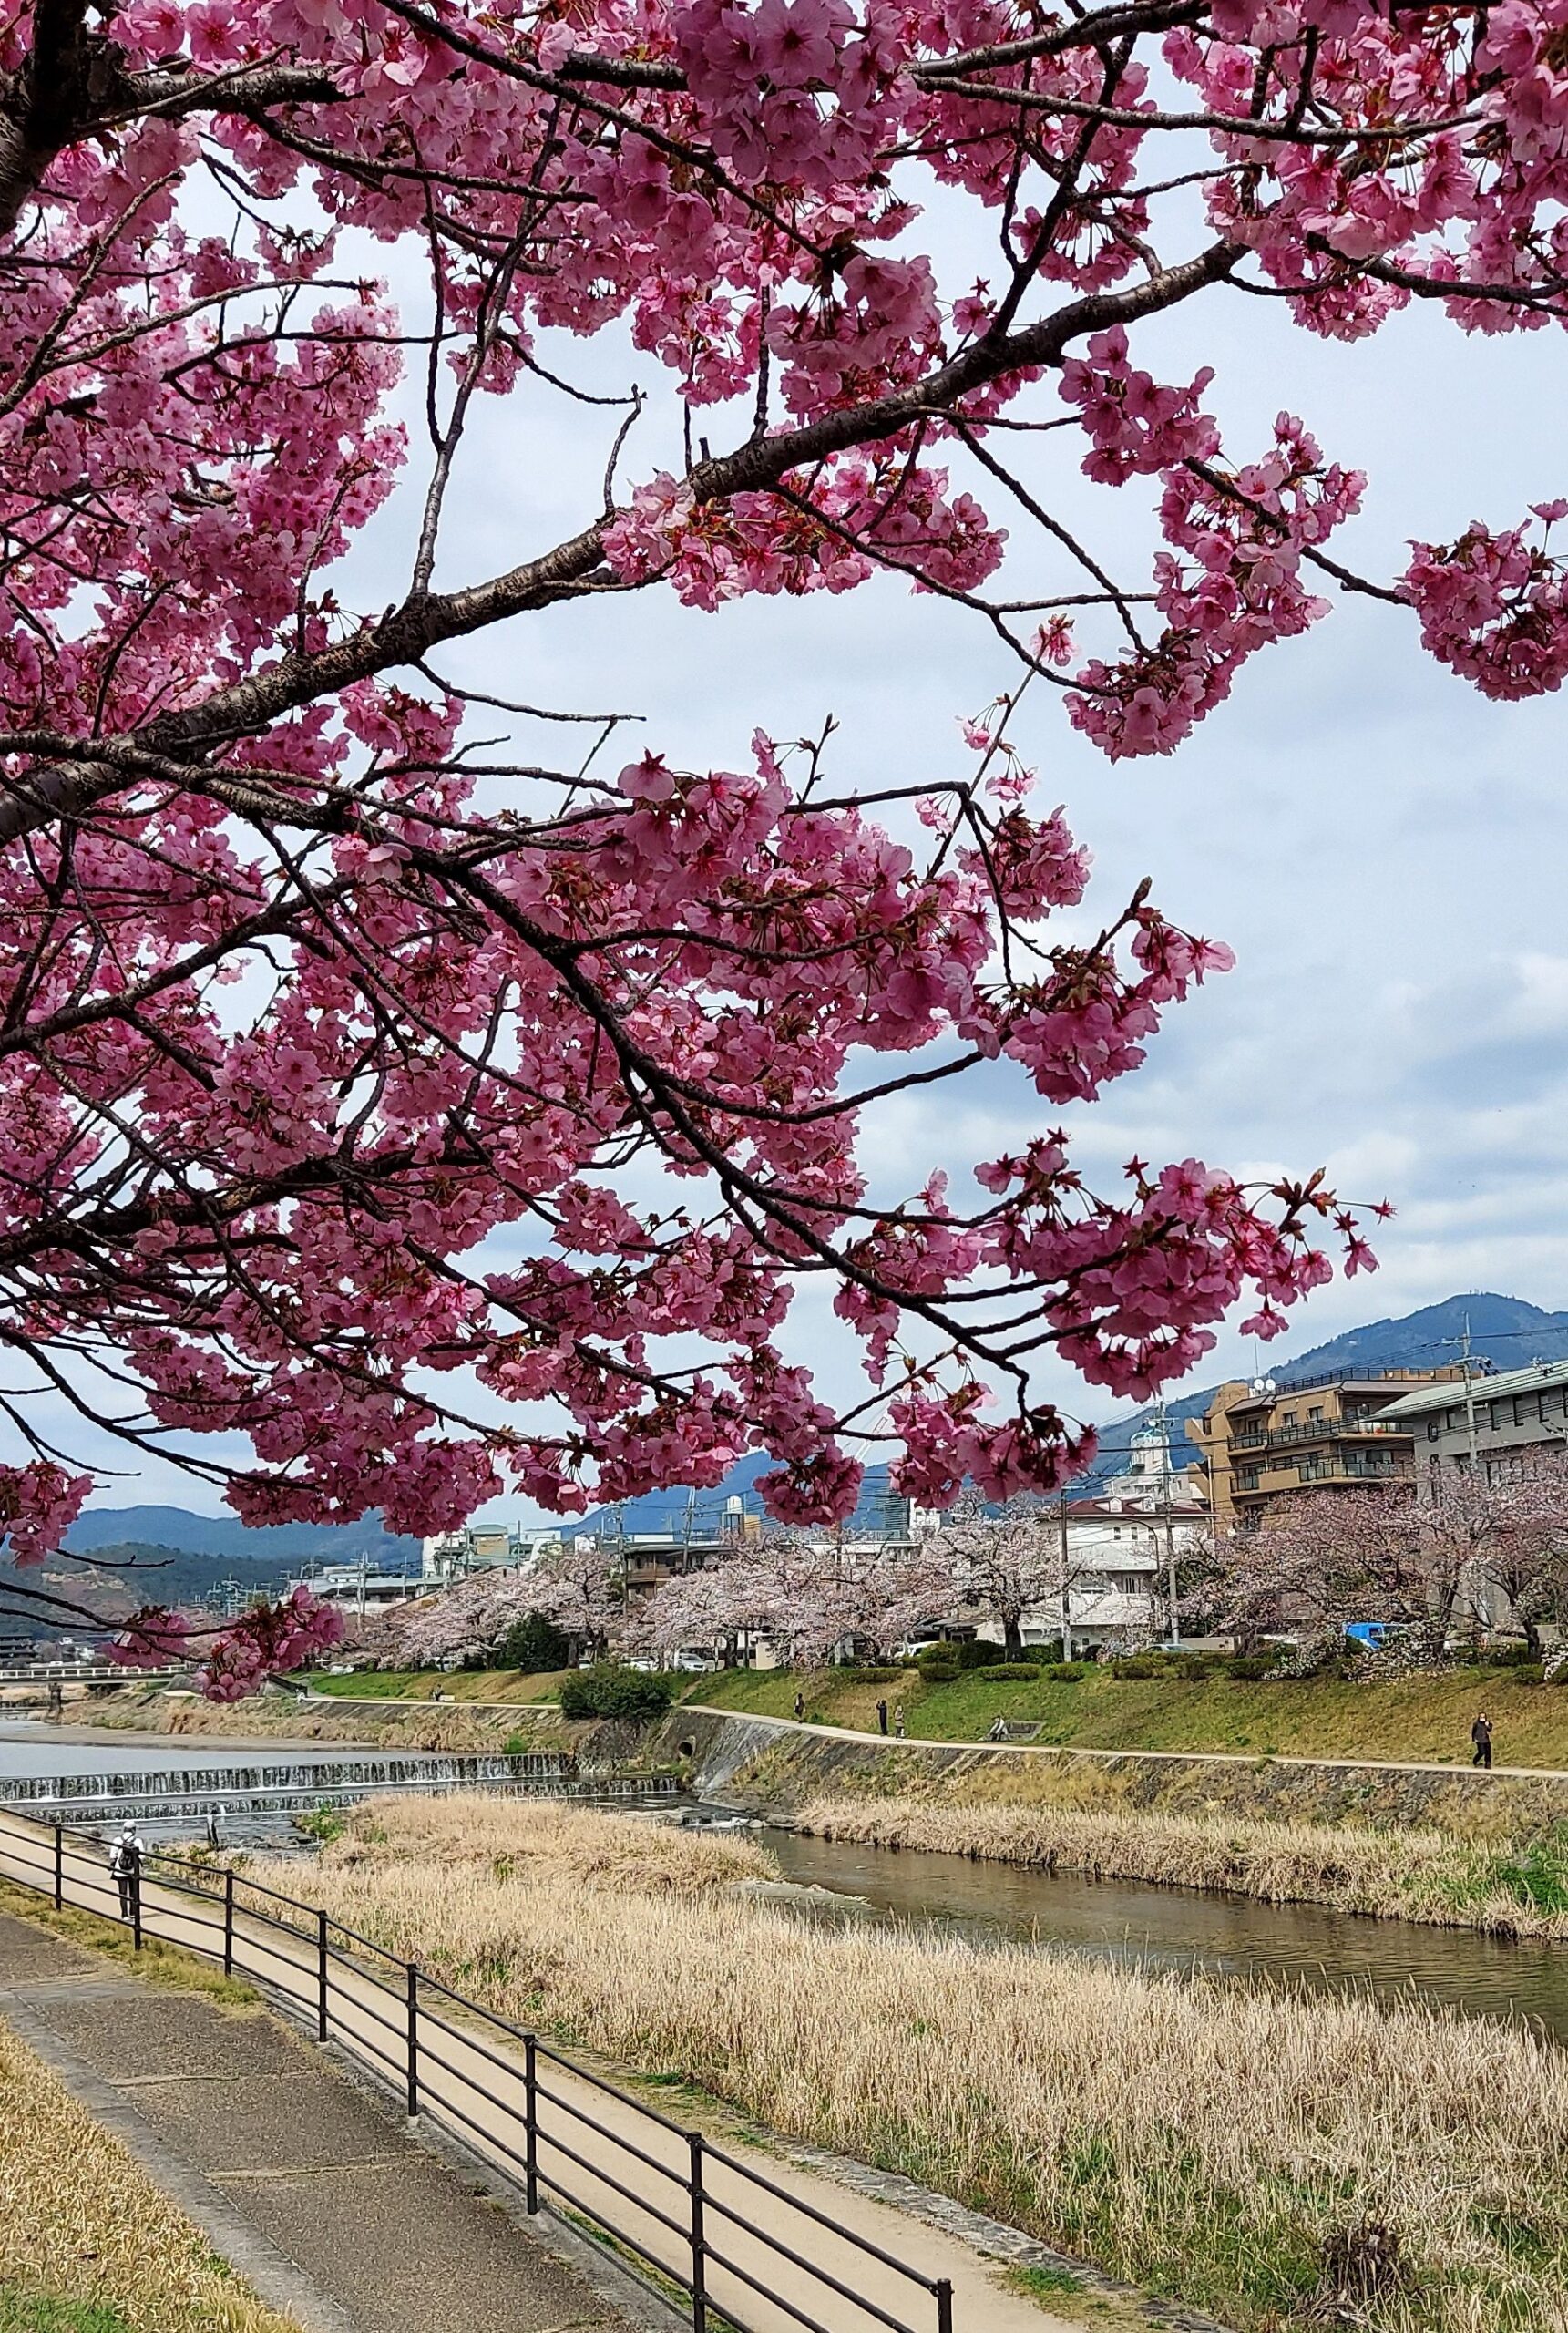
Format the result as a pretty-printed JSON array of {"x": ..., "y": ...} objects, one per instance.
[
  {"x": 1136, "y": 1926},
  {"x": 1181, "y": 1928}
]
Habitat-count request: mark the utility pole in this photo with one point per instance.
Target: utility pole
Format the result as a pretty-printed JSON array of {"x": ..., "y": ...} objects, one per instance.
[
  {"x": 1165, "y": 1509},
  {"x": 1463, "y": 1344},
  {"x": 1066, "y": 1576}
]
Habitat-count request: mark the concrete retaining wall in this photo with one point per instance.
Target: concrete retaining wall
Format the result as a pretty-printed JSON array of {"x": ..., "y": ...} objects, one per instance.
[{"x": 769, "y": 1764}]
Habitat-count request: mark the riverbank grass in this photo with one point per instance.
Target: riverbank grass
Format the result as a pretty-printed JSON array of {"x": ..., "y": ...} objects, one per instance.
[
  {"x": 1220, "y": 2144},
  {"x": 1421, "y": 1719},
  {"x": 1512, "y": 1889},
  {"x": 87, "y": 2244}
]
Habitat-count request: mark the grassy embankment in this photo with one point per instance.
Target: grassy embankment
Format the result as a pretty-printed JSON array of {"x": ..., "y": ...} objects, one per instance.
[
  {"x": 87, "y": 2244},
  {"x": 1212, "y": 2142},
  {"x": 1423, "y": 1719},
  {"x": 1513, "y": 1889},
  {"x": 283, "y": 1717},
  {"x": 487, "y": 1686}
]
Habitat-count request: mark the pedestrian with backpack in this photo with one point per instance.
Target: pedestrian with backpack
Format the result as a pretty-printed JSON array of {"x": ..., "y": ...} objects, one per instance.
[{"x": 127, "y": 1857}]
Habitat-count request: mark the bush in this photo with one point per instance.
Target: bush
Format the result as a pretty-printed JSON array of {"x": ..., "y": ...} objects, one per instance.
[
  {"x": 1001, "y": 1673},
  {"x": 1138, "y": 1666},
  {"x": 1510, "y": 1656},
  {"x": 870, "y": 1676},
  {"x": 530, "y": 1644},
  {"x": 609, "y": 1691},
  {"x": 939, "y": 1673},
  {"x": 1251, "y": 1668}
]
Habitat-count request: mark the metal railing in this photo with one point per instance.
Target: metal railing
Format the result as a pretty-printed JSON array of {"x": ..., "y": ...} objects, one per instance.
[
  {"x": 79, "y": 1672},
  {"x": 1313, "y": 1430},
  {"x": 652, "y": 2188}
]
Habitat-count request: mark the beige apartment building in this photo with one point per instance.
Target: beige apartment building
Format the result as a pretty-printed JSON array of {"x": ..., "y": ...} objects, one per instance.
[{"x": 1259, "y": 1442}]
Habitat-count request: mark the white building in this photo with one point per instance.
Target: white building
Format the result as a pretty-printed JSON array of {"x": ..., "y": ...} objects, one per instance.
[
  {"x": 1151, "y": 1479},
  {"x": 452, "y": 1555},
  {"x": 358, "y": 1588}
]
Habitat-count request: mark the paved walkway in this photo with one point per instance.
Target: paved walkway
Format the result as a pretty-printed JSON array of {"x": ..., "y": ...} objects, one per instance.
[
  {"x": 296, "y": 2174},
  {"x": 613, "y": 2158},
  {"x": 1459, "y": 1767}
]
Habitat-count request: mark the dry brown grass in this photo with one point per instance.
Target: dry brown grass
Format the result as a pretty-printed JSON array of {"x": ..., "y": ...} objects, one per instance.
[
  {"x": 1204, "y": 2139},
  {"x": 81, "y": 2221},
  {"x": 546, "y": 1841},
  {"x": 400, "y": 1726},
  {"x": 1413, "y": 1875}
]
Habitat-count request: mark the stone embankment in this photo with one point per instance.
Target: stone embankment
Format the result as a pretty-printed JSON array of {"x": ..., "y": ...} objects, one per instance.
[{"x": 771, "y": 1765}]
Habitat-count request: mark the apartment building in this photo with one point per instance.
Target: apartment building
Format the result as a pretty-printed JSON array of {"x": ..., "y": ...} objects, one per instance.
[
  {"x": 1500, "y": 1424},
  {"x": 1261, "y": 1443}
]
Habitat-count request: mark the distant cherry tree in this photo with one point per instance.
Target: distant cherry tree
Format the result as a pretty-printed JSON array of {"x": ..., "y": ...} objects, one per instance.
[
  {"x": 318, "y": 969},
  {"x": 1464, "y": 1553}
]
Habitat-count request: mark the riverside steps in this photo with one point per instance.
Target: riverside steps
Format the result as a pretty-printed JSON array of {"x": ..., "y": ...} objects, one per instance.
[{"x": 284, "y": 1786}]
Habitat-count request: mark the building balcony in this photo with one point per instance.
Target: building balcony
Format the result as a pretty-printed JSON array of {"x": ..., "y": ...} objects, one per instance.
[
  {"x": 1314, "y": 1430},
  {"x": 1278, "y": 1480}
]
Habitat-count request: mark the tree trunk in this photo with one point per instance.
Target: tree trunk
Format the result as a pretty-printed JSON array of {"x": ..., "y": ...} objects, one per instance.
[{"x": 1013, "y": 1636}]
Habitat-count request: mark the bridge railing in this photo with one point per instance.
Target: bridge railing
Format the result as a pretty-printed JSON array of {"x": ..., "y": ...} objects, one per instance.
[{"x": 741, "y": 2250}]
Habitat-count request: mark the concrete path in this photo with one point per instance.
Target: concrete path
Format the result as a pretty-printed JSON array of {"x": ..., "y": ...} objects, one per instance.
[
  {"x": 297, "y": 2175},
  {"x": 1458, "y": 1766},
  {"x": 805, "y": 2250}
]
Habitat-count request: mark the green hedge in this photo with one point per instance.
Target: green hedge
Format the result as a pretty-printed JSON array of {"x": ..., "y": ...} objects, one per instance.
[{"x": 610, "y": 1690}]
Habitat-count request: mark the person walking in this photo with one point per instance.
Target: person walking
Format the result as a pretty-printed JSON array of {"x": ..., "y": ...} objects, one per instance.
[
  {"x": 126, "y": 1859},
  {"x": 215, "y": 1818},
  {"x": 799, "y": 1707},
  {"x": 881, "y": 1717},
  {"x": 898, "y": 1723},
  {"x": 1481, "y": 1734}
]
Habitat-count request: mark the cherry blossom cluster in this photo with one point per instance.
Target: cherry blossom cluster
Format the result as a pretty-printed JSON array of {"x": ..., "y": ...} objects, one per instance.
[
  {"x": 1231, "y": 585},
  {"x": 1494, "y": 607},
  {"x": 828, "y": 536},
  {"x": 1137, "y": 426},
  {"x": 436, "y": 1120}
]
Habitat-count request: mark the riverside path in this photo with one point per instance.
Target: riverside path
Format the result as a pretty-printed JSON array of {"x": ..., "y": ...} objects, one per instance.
[
  {"x": 780, "y": 2247},
  {"x": 1452, "y": 1769}
]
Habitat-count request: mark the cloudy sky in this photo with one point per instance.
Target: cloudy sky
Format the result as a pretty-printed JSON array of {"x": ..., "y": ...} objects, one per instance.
[{"x": 1382, "y": 847}]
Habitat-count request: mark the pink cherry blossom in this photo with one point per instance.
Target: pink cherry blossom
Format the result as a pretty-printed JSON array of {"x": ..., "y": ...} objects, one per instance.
[{"x": 400, "y": 1107}]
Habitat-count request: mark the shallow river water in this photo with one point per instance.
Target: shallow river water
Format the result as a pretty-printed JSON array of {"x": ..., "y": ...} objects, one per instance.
[{"x": 1181, "y": 1928}]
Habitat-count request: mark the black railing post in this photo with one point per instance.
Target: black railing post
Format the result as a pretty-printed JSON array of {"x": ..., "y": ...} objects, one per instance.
[
  {"x": 413, "y": 2042},
  {"x": 59, "y": 1867},
  {"x": 699, "y": 2240},
  {"x": 944, "y": 2292},
  {"x": 531, "y": 2121},
  {"x": 136, "y": 1907},
  {"x": 321, "y": 1976},
  {"x": 229, "y": 1923}
]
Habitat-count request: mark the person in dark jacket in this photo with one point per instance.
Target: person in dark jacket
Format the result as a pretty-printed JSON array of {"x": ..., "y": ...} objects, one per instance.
[
  {"x": 799, "y": 1707},
  {"x": 881, "y": 1717},
  {"x": 1481, "y": 1734}
]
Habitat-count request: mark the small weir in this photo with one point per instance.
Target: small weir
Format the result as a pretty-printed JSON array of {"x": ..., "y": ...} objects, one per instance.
[{"x": 287, "y": 1788}]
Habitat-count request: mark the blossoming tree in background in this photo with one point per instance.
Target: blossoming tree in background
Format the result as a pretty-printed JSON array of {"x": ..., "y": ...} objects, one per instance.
[
  {"x": 317, "y": 970},
  {"x": 1464, "y": 1553}
]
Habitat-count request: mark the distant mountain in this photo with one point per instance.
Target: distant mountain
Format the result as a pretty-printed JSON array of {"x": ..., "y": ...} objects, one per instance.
[
  {"x": 1505, "y": 1333},
  {"x": 228, "y": 1540}
]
